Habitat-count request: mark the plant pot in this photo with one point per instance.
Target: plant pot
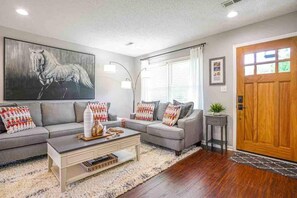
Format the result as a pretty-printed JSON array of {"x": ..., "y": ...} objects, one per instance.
[{"x": 216, "y": 113}]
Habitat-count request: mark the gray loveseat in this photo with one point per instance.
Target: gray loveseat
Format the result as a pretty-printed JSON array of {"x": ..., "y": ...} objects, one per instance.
[
  {"x": 187, "y": 132},
  {"x": 52, "y": 120}
]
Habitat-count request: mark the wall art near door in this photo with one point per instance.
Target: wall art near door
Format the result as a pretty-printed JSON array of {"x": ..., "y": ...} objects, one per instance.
[
  {"x": 39, "y": 72},
  {"x": 217, "y": 72}
]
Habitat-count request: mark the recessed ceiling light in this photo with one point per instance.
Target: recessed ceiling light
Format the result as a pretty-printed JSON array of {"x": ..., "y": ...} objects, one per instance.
[
  {"x": 22, "y": 12},
  {"x": 232, "y": 14}
]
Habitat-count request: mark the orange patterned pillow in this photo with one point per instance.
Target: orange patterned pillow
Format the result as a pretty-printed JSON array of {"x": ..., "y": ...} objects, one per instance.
[
  {"x": 145, "y": 112},
  {"x": 99, "y": 111},
  {"x": 16, "y": 118},
  {"x": 171, "y": 114}
]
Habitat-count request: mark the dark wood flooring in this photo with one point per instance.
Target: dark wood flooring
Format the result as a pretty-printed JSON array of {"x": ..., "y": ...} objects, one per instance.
[{"x": 210, "y": 174}]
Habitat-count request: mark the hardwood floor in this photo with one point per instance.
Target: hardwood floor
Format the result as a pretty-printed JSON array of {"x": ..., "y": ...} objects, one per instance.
[{"x": 210, "y": 174}]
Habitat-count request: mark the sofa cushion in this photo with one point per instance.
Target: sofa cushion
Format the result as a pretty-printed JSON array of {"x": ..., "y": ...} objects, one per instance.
[
  {"x": 164, "y": 131},
  {"x": 139, "y": 125},
  {"x": 161, "y": 110},
  {"x": 16, "y": 118},
  {"x": 156, "y": 104},
  {"x": 2, "y": 126},
  {"x": 57, "y": 113},
  {"x": 23, "y": 138},
  {"x": 65, "y": 129},
  {"x": 145, "y": 112},
  {"x": 171, "y": 115},
  {"x": 109, "y": 124},
  {"x": 35, "y": 111},
  {"x": 79, "y": 108},
  {"x": 186, "y": 108},
  {"x": 100, "y": 111}
]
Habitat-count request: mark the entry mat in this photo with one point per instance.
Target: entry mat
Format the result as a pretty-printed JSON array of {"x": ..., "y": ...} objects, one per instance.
[{"x": 281, "y": 167}]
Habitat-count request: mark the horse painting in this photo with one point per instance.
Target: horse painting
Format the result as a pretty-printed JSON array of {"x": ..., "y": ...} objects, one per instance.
[{"x": 48, "y": 70}]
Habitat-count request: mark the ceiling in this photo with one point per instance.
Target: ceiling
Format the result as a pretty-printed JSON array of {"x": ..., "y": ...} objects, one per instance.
[{"x": 150, "y": 24}]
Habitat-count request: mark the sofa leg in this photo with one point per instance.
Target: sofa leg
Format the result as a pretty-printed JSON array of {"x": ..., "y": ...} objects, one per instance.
[
  {"x": 178, "y": 153},
  {"x": 198, "y": 143}
]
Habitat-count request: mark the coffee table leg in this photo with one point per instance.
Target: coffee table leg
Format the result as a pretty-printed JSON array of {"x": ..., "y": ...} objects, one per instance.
[
  {"x": 137, "y": 148},
  {"x": 50, "y": 163},
  {"x": 62, "y": 179}
]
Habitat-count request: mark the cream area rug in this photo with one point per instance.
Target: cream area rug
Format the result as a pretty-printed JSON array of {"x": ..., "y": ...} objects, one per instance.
[{"x": 31, "y": 179}]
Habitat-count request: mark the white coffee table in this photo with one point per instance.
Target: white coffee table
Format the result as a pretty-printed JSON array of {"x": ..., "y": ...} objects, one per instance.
[{"x": 66, "y": 153}]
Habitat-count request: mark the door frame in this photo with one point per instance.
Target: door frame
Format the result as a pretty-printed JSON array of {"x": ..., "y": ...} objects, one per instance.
[{"x": 293, "y": 34}]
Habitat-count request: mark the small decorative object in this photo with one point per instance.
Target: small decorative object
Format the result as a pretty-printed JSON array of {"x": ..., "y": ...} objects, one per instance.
[
  {"x": 115, "y": 130},
  {"x": 88, "y": 122},
  {"x": 216, "y": 108},
  {"x": 217, "y": 72},
  {"x": 97, "y": 129},
  {"x": 99, "y": 163}
]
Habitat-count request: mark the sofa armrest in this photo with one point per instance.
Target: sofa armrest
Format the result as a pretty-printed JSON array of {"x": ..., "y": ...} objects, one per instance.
[
  {"x": 112, "y": 117},
  {"x": 132, "y": 116},
  {"x": 193, "y": 127}
]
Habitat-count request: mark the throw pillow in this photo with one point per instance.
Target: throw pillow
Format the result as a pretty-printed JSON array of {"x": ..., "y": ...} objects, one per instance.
[
  {"x": 99, "y": 111},
  {"x": 156, "y": 103},
  {"x": 145, "y": 112},
  {"x": 161, "y": 110},
  {"x": 171, "y": 115},
  {"x": 186, "y": 108},
  {"x": 16, "y": 118},
  {"x": 2, "y": 126}
]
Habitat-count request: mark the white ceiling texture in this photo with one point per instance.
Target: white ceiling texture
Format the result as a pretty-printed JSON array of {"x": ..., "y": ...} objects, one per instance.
[{"x": 150, "y": 24}]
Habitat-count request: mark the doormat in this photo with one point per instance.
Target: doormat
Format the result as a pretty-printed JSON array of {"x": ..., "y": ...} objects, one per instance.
[{"x": 280, "y": 167}]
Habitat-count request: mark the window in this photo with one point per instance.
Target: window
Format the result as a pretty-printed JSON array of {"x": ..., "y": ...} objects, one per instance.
[
  {"x": 267, "y": 62},
  {"x": 170, "y": 80}
]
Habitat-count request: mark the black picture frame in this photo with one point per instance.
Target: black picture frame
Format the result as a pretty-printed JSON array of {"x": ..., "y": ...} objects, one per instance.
[
  {"x": 23, "y": 82},
  {"x": 217, "y": 71}
]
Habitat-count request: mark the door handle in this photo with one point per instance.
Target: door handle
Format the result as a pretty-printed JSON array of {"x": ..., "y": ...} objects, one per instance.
[{"x": 240, "y": 107}]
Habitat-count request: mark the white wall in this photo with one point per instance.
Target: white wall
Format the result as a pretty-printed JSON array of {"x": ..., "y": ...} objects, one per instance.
[
  {"x": 107, "y": 85},
  {"x": 222, "y": 45}
]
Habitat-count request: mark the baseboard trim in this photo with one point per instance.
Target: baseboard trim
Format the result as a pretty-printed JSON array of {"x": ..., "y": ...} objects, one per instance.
[{"x": 229, "y": 148}]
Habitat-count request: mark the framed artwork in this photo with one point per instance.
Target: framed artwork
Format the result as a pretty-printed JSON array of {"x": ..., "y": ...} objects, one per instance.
[
  {"x": 38, "y": 72},
  {"x": 217, "y": 74}
]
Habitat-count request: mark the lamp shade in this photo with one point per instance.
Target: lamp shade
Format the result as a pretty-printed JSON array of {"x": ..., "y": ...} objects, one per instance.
[
  {"x": 126, "y": 84},
  {"x": 110, "y": 68}
]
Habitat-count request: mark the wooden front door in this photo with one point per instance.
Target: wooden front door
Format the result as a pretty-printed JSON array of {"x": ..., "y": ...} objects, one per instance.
[{"x": 267, "y": 98}]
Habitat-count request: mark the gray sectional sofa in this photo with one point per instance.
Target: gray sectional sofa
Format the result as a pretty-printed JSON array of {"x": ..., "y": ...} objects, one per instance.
[
  {"x": 51, "y": 120},
  {"x": 55, "y": 119},
  {"x": 187, "y": 132}
]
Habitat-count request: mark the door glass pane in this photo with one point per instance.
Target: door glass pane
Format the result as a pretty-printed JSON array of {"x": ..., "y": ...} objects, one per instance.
[
  {"x": 284, "y": 66},
  {"x": 284, "y": 53},
  {"x": 249, "y": 70},
  {"x": 248, "y": 59},
  {"x": 266, "y": 68},
  {"x": 265, "y": 56}
]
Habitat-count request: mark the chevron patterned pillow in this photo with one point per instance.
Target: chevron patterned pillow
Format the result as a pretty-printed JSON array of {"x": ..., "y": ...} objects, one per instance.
[
  {"x": 145, "y": 112},
  {"x": 99, "y": 111},
  {"x": 16, "y": 118},
  {"x": 171, "y": 114}
]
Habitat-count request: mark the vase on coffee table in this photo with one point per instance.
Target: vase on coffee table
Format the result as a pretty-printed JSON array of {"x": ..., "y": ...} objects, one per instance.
[{"x": 88, "y": 121}]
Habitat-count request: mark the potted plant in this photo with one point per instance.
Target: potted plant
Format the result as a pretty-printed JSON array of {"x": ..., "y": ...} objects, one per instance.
[{"x": 216, "y": 108}]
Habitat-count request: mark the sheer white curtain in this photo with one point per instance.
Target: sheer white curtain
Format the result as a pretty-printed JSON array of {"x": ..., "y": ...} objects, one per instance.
[
  {"x": 196, "y": 61},
  {"x": 180, "y": 79}
]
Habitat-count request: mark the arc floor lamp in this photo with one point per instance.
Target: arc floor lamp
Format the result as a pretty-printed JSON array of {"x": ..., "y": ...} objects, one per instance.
[{"x": 129, "y": 83}]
